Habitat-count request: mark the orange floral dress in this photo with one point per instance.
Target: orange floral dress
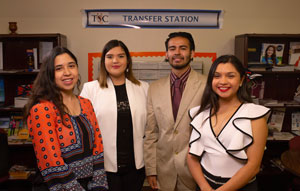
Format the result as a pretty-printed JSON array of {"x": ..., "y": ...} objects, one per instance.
[{"x": 67, "y": 153}]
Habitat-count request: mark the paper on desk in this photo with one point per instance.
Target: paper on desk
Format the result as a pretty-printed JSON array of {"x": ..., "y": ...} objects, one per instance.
[{"x": 284, "y": 136}]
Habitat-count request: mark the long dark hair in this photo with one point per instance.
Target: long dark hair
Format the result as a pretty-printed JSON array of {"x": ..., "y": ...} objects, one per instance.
[
  {"x": 103, "y": 72},
  {"x": 273, "y": 56},
  {"x": 210, "y": 98},
  {"x": 44, "y": 86}
]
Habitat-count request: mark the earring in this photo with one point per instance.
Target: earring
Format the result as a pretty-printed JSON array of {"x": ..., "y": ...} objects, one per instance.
[{"x": 127, "y": 70}]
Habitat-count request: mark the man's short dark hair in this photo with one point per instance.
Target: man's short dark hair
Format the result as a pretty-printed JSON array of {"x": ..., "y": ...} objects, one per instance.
[{"x": 181, "y": 34}]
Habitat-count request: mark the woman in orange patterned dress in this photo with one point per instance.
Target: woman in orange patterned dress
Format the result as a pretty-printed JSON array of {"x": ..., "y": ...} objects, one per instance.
[{"x": 65, "y": 134}]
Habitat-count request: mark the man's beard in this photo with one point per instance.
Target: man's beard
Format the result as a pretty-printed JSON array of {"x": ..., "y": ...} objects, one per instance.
[{"x": 178, "y": 67}]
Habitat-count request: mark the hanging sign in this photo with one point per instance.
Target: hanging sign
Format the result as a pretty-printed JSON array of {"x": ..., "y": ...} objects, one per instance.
[{"x": 152, "y": 18}]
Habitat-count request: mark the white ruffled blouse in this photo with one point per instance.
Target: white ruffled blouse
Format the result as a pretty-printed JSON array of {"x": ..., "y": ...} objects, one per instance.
[{"x": 224, "y": 155}]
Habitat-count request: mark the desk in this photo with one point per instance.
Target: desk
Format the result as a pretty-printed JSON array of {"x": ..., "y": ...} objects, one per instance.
[
  {"x": 271, "y": 177},
  {"x": 291, "y": 162}
]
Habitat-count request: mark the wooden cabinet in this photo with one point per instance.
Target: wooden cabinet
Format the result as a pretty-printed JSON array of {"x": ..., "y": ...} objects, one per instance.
[
  {"x": 278, "y": 85},
  {"x": 248, "y": 46},
  {"x": 15, "y": 72},
  {"x": 15, "y": 66}
]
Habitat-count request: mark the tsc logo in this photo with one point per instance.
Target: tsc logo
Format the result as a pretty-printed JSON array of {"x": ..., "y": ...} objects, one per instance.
[{"x": 100, "y": 18}]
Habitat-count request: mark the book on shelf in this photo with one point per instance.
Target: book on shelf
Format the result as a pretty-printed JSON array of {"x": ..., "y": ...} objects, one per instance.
[
  {"x": 276, "y": 103},
  {"x": 20, "y": 102},
  {"x": 294, "y": 55},
  {"x": 296, "y": 132},
  {"x": 296, "y": 121},
  {"x": 2, "y": 91},
  {"x": 19, "y": 172},
  {"x": 258, "y": 88},
  {"x": 9, "y": 71},
  {"x": 18, "y": 131},
  {"x": 44, "y": 49},
  {"x": 258, "y": 66},
  {"x": 35, "y": 60},
  {"x": 297, "y": 98},
  {"x": 277, "y": 163},
  {"x": 297, "y": 94},
  {"x": 292, "y": 103},
  {"x": 295, "y": 61},
  {"x": 4, "y": 122},
  {"x": 281, "y": 136},
  {"x": 254, "y": 54},
  {"x": 24, "y": 90},
  {"x": 272, "y": 103},
  {"x": 276, "y": 120},
  {"x": 1, "y": 56},
  {"x": 257, "y": 69},
  {"x": 271, "y": 54},
  {"x": 16, "y": 141},
  {"x": 22, "y": 97},
  {"x": 287, "y": 68}
]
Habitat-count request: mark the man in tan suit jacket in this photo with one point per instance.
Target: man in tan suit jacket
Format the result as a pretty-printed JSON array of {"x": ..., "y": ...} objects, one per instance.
[{"x": 168, "y": 130}]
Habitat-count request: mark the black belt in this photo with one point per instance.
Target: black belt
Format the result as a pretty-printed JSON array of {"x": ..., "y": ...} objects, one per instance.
[{"x": 218, "y": 179}]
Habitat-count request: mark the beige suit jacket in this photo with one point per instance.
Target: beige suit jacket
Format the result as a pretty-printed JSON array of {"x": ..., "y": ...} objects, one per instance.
[{"x": 166, "y": 142}]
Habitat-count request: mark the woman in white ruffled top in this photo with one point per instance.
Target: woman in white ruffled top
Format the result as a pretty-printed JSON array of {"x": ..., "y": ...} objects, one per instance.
[{"x": 229, "y": 131}]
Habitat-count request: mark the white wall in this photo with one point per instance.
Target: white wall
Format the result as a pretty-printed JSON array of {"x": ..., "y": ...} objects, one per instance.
[{"x": 63, "y": 16}]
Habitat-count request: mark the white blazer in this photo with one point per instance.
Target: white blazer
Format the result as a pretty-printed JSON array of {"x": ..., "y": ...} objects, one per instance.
[{"x": 105, "y": 105}]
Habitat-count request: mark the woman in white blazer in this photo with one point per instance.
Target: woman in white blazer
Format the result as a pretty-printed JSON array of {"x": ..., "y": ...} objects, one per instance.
[{"x": 119, "y": 100}]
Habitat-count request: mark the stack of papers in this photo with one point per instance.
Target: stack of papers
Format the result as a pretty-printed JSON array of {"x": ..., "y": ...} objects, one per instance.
[
  {"x": 283, "y": 68},
  {"x": 20, "y": 102},
  {"x": 281, "y": 136}
]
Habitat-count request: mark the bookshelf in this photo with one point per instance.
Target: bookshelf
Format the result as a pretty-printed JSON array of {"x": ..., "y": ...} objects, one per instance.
[
  {"x": 15, "y": 69},
  {"x": 248, "y": 46},
  {"x": 278, "y": 85},
  {"x": 15, "y": 72}
]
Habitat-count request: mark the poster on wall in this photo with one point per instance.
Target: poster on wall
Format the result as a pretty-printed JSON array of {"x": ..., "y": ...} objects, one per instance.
[
  {"x": 152, "y": 18},
  {"x": 150, "y": 66}
]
